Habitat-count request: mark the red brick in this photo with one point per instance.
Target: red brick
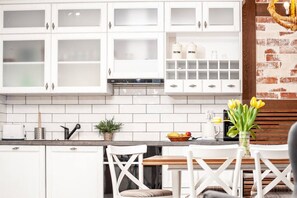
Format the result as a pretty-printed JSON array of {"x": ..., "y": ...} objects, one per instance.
[
  {"x": 267, "y": 80},
  {"x": 289, "y": 80},
  {"x": 266, "y": 95},
  {"x": 296, "y": 66},
  {"x": 260, "y": 27},
  {"x": 288, "y": 95},
  {"x": 293, "y": 72},
  {"x": 259, "y": 73},
  {"x": 287, "y": 50},
  {"x": 264, "y": 19},
  {"x": 278, "y": 90},
  {"x": 294, "y": 43},
  {"x": 270, "y": 51},
  {"x": 278, "y": 42},
  {"x": 268, "y": 65},
  {"x": 285, "y": 33},
  {"x": 260, "y": 42},
  {"x": 272, "y": 57}
]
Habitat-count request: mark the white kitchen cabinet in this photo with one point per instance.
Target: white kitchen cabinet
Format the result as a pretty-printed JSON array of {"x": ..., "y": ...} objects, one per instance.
[
  {"x": 22, "y": 171},
  {"x": 135, "y": 55},
  {"x": 135, "y": 17},
  {"x": 74, "y": 172},
  {"x": 25, "y": 63},
  {"x": 79, "y": 63},
  {"x": 202, "y": 16}
]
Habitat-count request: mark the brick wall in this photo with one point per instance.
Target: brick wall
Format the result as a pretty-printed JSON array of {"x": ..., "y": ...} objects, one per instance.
[
  {"x": 147, "y": 113},
  {"x": 276, "y": 60}
]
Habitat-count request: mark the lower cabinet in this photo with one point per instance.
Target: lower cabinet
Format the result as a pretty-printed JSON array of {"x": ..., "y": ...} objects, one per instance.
[
  {"x": 22, "y": 171},
  {"x": 74, "y": 172}
]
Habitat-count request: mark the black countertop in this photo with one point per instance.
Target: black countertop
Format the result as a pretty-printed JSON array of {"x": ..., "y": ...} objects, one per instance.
[{"x": 116, "y": 143}]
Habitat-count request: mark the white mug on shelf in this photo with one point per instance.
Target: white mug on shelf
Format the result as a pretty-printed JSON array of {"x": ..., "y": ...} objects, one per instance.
[
  {"x": 176, "y": 51},
  {"x": 191, "y": 51}
]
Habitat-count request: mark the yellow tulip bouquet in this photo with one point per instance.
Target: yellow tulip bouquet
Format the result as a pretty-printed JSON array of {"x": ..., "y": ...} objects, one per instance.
[{"x": 243, "y": 116}]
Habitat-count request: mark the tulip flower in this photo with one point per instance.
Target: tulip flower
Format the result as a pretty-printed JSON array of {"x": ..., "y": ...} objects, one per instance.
[
  {"x": 260, "y": 104},
  {"x": 217, "y": 120},
  {"x": 232, "y": 104},
  {"x": 253, "y": 102}
]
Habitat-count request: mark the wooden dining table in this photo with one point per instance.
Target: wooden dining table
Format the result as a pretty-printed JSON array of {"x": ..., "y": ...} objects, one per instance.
[{"x": 177, "y": 164}]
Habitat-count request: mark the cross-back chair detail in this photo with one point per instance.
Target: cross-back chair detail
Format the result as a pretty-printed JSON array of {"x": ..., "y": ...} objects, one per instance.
[{"x": 200, "y": 153}]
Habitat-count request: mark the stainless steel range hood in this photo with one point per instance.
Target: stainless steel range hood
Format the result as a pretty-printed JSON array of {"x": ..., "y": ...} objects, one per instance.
[{"x": 135, "y": 81}]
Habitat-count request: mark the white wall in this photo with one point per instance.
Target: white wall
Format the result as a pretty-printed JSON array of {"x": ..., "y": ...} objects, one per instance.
[{"x": 147, "y": 113}]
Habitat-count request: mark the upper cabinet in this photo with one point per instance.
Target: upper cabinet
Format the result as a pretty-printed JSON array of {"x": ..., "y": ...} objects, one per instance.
[
  {"x": 135, "y": 17},
  {"x": 202, "y": 16},
  {"x": 60, "y": 18}
]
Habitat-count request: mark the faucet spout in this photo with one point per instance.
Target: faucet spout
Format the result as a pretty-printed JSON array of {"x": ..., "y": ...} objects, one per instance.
[{"x": 67, "y": 135}]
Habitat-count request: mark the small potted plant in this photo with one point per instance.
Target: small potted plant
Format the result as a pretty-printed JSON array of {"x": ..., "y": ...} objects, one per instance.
[{"x": 107, "y": 127}]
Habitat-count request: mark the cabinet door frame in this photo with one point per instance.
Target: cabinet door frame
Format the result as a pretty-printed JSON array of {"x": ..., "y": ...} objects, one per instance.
[
  {"x": 221, "y": 28},
  {"x": 160, "y": 20},
  {"x": 81, "y": 6},
  {"x": 102, "y": 88},
  {"x": 27, "y": 37},
  {"x": 185, "y": 28},
  {"x": 26, "y": 7},
  {"x": 135, "y": 36}
]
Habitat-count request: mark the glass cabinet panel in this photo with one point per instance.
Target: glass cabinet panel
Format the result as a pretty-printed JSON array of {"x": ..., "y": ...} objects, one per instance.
[
  {"x": 136, "y": 17},
  {"x": 80, "y": 18},
  {"x": 21, "y": 19},
  {"x": 221, "y": 16},
  {"x": 183, "y": 16}
]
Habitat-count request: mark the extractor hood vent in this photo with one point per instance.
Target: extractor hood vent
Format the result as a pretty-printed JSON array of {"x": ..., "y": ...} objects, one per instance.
[{"x": 135, "y": 81}]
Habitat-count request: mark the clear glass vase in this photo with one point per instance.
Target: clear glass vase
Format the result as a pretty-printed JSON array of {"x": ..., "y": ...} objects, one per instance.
[{"x": 244, "y": 142}]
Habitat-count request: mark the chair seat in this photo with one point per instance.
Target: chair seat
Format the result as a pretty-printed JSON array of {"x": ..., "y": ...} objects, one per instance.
[{"x": 146, "y": 193}]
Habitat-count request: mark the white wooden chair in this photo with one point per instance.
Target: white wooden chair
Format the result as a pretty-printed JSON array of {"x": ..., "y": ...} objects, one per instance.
[
  {"x": 200, "y": 153},
  {"x": 266, "y": 153},
  {"x": 136, "y": 152}
]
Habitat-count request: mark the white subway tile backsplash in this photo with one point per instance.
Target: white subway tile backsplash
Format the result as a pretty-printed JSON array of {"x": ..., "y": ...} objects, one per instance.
[
  {"x": 90, "y": 136},
  {"x": 16, "y": 118},
  {"x": 25, "y": 109},
  {"x": 16, "y": 100},
  {"x": 183, "y": 127},
  {"x": 213, "y": 108},
  {"x": 197, "y": 117},
  {"x": 147, "y": 136},
  {"x": 132, "y": 109},
  {"x": 105, "y": 109},
  {"x": 58, "y": 136},
  {"x": 78, "y": 109},
  {"x": 131, "y": 91},
  {"x": 65, "y": 99},
  {"x": 146, "y": 100},
  {"x": 65, "y": 117},
  {"x": 91, "y": 100},
  {"x": 38, "y": 100},
  {"x": 173, "y": 117},
  {"x": 224, "y": 99},
  {"x": 133, "y": 127},
  {"x": 200, "y": 99},
  {"x": 52, "y": 108},
  {"x": 9, "y": 108},
  {"x": 34, "y": 118},
  {"x": 120, "y": 117},
  {"x": 173, "y": 99},
  {"x": 3, "y": 118},
  {"x": 3, "y": 108},
  {"x": 159, "y": 108},
  {"x": 53, "y": 127},
  {"x": 187, "y": 109},
  {"x": 160, "y": 127},
  {"x": 88, "y": 118},
  {"x": 2, "y": 99},
  {"x": 155, "y": 91},
  {"x": 123, "y": 136},
  {"x": 146, "y": 118},
  {"x": 118, "y": 99}
]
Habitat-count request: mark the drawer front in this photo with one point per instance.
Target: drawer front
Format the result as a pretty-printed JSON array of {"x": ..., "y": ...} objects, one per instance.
[
  {"x": 173, "y": 86},
  {"x": 211, "y": 86},
  {"x": 193, "y": 86},
  {"x": 231, "y": 86}
]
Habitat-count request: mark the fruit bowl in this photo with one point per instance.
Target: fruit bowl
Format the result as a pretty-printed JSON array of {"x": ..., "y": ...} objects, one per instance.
[{"x": 179, "y": 139}]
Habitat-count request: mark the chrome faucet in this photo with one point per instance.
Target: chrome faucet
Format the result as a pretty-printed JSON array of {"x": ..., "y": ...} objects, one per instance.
[{"x": 67, "y": 135}]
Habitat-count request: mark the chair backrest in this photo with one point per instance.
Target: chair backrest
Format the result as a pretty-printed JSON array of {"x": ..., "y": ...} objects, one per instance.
[
  {"x": 200, "y": 153},
  {"x": 136, "y": 152},
  {"x": 292, "y": 139},
  {"x": 267, "y": 153}
]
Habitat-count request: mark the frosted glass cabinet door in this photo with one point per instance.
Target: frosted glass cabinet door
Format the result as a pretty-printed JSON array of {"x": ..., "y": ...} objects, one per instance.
[
  {"x": 221, "y": 16},
  {"x": 135, "y": 55},
  {"x": 24, "y": 63},
  {"x": 79, "y": 17},
  {"x": 183, "y": 16},
  {"x": 135, "y": 17},
  {"x": 29, "y": 18},
  {"x": 79, "y": 63}
]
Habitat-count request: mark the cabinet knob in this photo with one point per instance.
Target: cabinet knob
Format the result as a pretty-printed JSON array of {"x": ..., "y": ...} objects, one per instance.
[
  {"x": 173, "y": 86},
  {"x": 109, "y": 25},
  {"x": 231, "y": 86},
  {"x": 109, "y": 71},
  {"x": 192, "y": 85},
  {"x": 53, "y": 26},
  {"x": 16, "y": 148},
  {"x": 53, "y": 86},
  {"x": 205, "y": 24},
  {"x": 47, "y": 26},
  {"x": 46, "y": 86},
  {"x": 211, "y": 86},
  {"x": 73, "y": 148},
  {"x": 199, "y": 24}
]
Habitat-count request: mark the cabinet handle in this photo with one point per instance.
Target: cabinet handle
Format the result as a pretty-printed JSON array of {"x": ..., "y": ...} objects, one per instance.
[
  {"x": 16, "y": 148},
  {"x": 205, "y": 24},
  {"x": 46, "y": 86},
  {"x": 231, "y": 86},
  {"x": 109, "y": 71},
  {"x": 173, "y": 86},
  {"x": 47, "y": 26},
  {"x": 53, "y": 86},
  {"x": 211, "y": 86},
  {"x": 109, "y": 25},
  {"x": 199, "y": 24},
  {"x": 53, "y": 26},
  {"x": 192, "y": 85},
  {"x": 73, "y": 148}
]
